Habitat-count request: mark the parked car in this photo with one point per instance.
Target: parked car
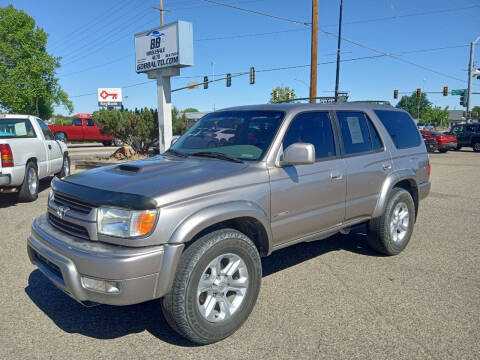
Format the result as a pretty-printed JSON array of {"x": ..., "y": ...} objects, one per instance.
[
  {"x": 445, "y": 142},
  {"x": 425, "y": 126},
  {"x": 430, "y": 143},
  {"x": 191, "y": 226},
  {"x": 83, "y": 128},
  {"x": 29, "y": 152},
  {"x": 467, "y": 135}
]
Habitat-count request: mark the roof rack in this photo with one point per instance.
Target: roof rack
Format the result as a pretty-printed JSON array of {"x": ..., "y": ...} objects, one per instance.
[{"x": 373, "y": 102}]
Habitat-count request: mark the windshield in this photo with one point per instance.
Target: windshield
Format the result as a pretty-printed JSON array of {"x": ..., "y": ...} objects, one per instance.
[
  {"x": 16, "y": 128},
  {"x": 244, "y": 135}
]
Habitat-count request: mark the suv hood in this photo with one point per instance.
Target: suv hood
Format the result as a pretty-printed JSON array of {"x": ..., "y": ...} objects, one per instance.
[{"x": 162, "y": 175}]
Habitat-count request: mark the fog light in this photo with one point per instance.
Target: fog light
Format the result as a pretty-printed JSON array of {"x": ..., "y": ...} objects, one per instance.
[{"x": 105, "y": 286}]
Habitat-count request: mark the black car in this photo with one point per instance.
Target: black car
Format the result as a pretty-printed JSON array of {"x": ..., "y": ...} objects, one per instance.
[
  {"x": 468, "y": 135},
  {"x": 430, "y": 143}
]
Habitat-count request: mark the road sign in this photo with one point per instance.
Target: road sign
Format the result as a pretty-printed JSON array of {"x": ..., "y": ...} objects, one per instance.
[
  {"x": 331, "y": 99},
  {"x": 109, "y": 96},
  {"x": 458, "y": 91}
]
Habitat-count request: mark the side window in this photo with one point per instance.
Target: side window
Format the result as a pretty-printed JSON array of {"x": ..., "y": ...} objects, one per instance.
[
  {"x": 401, "y": 128},
  {"x": 313, "y": 128},
  {"x": 457, "y": 130},
  {"x": 77, "y": 122},
  {"x": 471, "y": 128},
  {"x": 376, "y": 141},
  {"x": 46, "y": 131},
  {"x": 89, "y": 122},
  {"x": 355, "y": 132}
]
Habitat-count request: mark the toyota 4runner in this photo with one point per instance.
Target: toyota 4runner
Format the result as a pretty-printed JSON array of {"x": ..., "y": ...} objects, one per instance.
[{"x": 191, "y": 225}]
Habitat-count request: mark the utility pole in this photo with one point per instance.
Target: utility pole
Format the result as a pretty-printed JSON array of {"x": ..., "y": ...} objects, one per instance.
[
  {"x": 470, "y": 75},
  {"x": 314, "y": 49},
  {"x": 162, "y": 10},
  {"x": 337, "y": 77}
]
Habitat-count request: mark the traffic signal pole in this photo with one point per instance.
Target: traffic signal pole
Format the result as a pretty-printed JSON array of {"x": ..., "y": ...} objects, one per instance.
[
  {"x": 470, "y": 75},
  {"x": 314, "y": 49},
  {"x": 337, "y": 76}
]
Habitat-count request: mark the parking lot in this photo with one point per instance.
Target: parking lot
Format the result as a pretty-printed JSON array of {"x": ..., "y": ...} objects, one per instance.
[{"x": 330, "y": 299}]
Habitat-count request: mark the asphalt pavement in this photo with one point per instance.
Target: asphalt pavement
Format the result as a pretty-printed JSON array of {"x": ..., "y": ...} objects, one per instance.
[{"x": 330, "y": 299}]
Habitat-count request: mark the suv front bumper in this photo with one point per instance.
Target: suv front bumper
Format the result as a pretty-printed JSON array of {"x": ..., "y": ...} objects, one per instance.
[{"x": 143, "y": 274}]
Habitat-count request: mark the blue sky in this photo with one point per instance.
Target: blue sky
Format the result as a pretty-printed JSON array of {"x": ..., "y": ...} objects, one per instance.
[{"x": 95, "y": 41}]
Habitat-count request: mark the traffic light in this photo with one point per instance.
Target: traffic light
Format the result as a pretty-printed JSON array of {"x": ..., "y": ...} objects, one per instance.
[
  {"x": 419, "y": 93},
  {"x": 229, "y": 80},
  {"x": 252, "y": 75},
  {"x": 395, "y": 94},
  {"x": 445, "y": 90},
  {"x": 463, "y": 99},
  {"x": 205, "y": 82},
  {"x": 287, "y": 96},
  {"x": 275, "y": 95}
]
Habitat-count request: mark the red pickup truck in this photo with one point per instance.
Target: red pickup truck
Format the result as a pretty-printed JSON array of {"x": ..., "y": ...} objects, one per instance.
[
  {"x": 83, "y": 128},
  {"x": 445, "y": 141}
]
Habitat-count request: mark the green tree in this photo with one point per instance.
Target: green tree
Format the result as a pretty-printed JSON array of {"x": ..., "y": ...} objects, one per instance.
[
  {"x": 137, "y": 129},
  {"x": 27, "y": 71},
  {"x": 282, "y": 94},
  {"x": 476, "y": 112},
  {"x": 436, "y": 116},
  {"x": 417, "y": 107},
  {"x": 189, "y": 110}
]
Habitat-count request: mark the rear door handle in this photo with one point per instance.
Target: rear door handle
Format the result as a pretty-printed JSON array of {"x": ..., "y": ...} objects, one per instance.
[
  {"x": 50, "y": 147},
  {"x": 335, "y": 176},
  {"x": 387, "y": 166}
]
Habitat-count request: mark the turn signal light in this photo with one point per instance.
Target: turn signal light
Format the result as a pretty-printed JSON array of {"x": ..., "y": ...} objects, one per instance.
[
  {"x": 144, "y": 222},
  {"x": 7, "y": 155}
]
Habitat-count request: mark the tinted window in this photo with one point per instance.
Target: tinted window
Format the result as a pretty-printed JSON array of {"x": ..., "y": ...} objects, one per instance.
[
  {"x": 376, "y": 141},
  {"x": 16, "y": 128},
  {"x": 46, "y": 131},
  {"x": 89, "y": 122},
  {"x": 313, "y": 128},
  {"x": 401, "y": 128},
  {"x": 77, "y": 122},
  {"x": 355, "y": 132},
  {"x": 471, "y": 128},
  {"x": 457, "y": 129}
]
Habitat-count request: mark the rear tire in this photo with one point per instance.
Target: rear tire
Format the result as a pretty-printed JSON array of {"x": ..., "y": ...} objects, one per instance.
[
  {"x": 29, "y": 189},
  {"x": 390, "y": 233},
  {"x": 443, "y": 151},
  {"x": 107, "y": 143},
  {"x": 215, "y": 288}
]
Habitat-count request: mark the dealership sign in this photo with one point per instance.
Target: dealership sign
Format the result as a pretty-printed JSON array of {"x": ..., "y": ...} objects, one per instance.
[
  {"x": 109, "y": 96},
  {"x": 166, "y": 46}
]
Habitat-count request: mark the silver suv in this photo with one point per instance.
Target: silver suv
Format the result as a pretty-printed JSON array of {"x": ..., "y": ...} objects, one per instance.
[{"x": 190, "y": 226}]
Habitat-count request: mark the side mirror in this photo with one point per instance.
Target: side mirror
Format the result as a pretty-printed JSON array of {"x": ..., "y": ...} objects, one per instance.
[
  {"x": 60, "y": 137},
  {"x": 298, "y": 154}
]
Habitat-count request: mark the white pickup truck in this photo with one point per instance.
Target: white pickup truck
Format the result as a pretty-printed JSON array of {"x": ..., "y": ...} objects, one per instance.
[{"x": 29, "y": 152}]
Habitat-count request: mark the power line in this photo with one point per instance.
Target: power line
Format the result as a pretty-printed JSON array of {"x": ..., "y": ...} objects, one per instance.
[{"x": 259, "y": 13}]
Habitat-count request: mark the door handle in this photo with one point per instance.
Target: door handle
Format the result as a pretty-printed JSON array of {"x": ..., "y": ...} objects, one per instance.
[
  {"x": 335, "y": 176},
  {"x": 387, "y": 166},
  {"x": 50, "y": 147}
]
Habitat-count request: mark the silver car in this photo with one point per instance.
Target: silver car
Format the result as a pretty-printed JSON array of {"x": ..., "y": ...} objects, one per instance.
[{"x": 190, "y": 226}]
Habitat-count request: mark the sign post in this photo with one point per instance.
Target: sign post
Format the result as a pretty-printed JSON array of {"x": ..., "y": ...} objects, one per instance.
[{"x": 161, "y": 52}]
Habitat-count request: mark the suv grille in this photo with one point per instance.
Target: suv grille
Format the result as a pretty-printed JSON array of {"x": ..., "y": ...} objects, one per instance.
[
  {"x": 68, "y": 227},
  {"x": 75, "y": 205}
]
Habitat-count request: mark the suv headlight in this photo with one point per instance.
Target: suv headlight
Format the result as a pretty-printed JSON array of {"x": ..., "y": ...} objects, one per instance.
[{"x": 125, "y": 223}]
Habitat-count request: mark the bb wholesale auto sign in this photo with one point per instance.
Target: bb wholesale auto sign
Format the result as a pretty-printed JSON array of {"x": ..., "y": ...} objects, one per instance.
[
  {"x": 109, "y": 96},
  {"x": 166, "y": 46}
]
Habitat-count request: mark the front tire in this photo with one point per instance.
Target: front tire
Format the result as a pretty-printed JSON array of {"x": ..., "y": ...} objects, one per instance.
[
  {"x": 107, "y": 143},
  {"x": 476, "y": 147},
  {"x": 29, "y": 189},
  {"x": 65, "y": 168},
  {"x": 443, "y": 151},
  {"x": 215, "y": 287},
  {"x": 390, "y": 233}
]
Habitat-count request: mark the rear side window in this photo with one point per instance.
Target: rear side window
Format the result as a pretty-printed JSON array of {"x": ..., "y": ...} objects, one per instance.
[
  {"x": 89, "y": 122},
  {"x": 358, "y": 133},
  {"x": 16, "y": 128},
  {"x": 77, "y": 122},
  {"x": 401, "y": 128}
]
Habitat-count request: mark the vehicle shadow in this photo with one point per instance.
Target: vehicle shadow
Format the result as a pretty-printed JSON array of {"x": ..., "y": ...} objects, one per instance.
[
  {"x": 11, "y": 199},
  {"x": 109, "y": 322}
]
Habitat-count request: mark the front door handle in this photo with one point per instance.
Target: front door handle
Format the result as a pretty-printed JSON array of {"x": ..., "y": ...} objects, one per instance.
[
  {"x": 50, "y": 147},
  {"x": 387, "y": 166},
  {"x": 335, "y": 176}
]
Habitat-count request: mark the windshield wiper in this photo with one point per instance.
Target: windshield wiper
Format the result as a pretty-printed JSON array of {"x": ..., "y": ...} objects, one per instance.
[
  {"x": 178, "y": 153},
  {"x": 217, "y": 155}
]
